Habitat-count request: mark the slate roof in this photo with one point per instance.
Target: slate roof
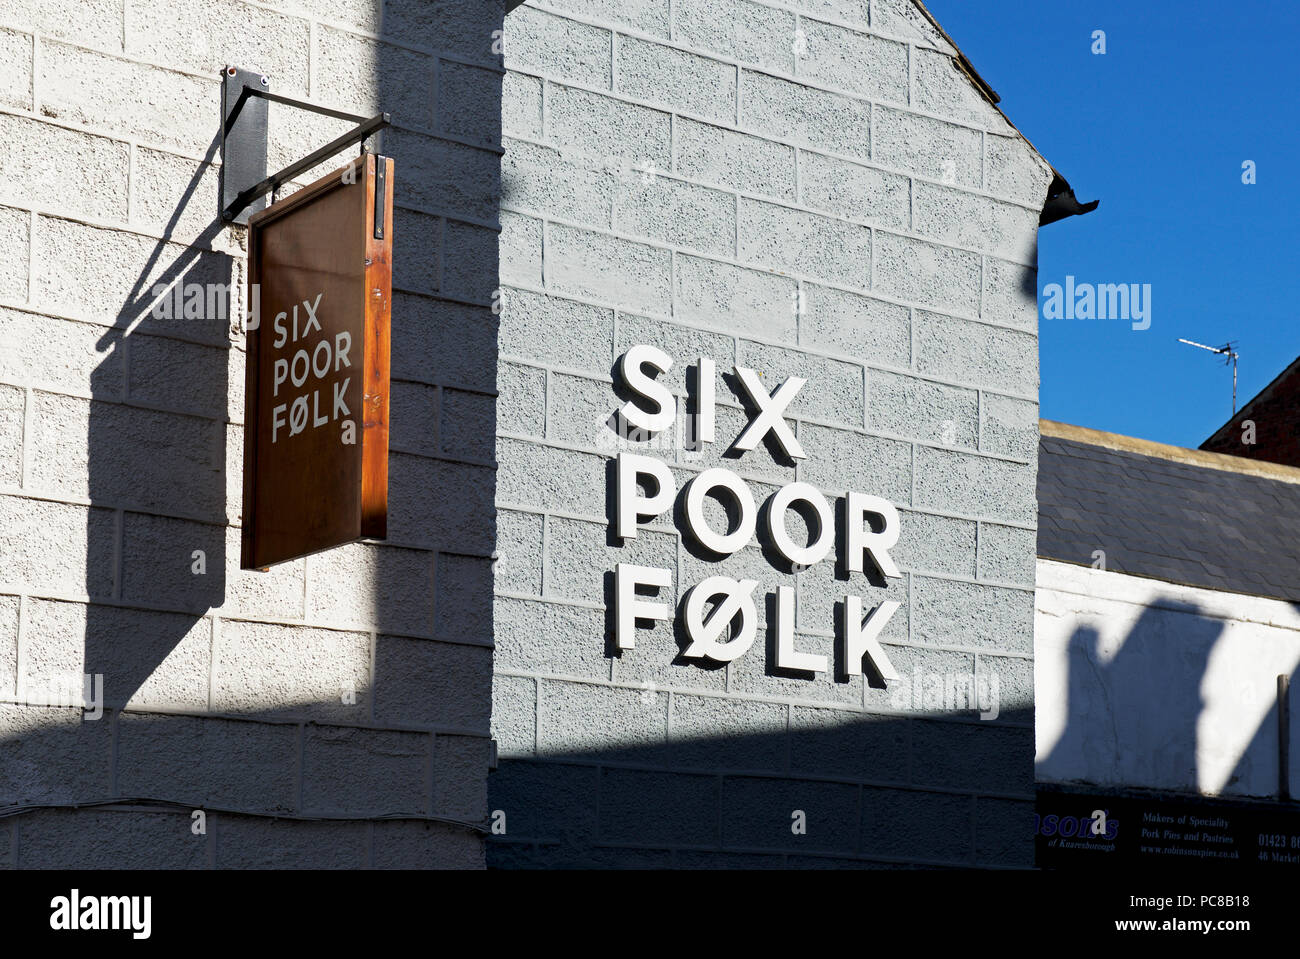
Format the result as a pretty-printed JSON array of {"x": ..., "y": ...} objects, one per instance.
[{"x": 1207, "y": 523}]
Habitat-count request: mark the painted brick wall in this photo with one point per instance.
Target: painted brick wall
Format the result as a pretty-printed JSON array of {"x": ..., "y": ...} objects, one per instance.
[
  {"x": 1095, "y": 626},
  {"x": 120, "y": 446},
  {"x": 680, "y": 172}
]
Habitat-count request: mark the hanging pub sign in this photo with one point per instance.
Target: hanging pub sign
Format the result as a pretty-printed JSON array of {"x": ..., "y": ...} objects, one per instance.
[{"x": 316, "y": 386}]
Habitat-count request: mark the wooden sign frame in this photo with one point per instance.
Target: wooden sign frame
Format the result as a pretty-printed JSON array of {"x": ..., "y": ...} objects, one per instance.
[{"x": 306, "y": 488}]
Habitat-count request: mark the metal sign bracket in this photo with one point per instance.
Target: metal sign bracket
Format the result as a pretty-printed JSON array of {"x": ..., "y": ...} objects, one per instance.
[{"x": 243, "y": 179}]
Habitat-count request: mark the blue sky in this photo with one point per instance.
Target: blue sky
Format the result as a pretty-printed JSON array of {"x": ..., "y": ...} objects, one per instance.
[{"x": 1157, "y": 128}]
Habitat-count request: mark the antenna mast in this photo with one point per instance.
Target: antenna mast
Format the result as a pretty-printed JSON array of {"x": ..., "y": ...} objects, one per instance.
[{"x": 1231, "y": 355}]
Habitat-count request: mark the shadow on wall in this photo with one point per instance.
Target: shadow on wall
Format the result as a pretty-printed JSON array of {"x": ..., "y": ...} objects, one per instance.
[
  {"x": 1134, "y": 720},
  {"x": 1134, "y": 717},
  {"x": 1265, "y": 741},
  {"x": 163, "y": 473},
  {"x": 876, "y": 791},
  {"x": 923, "y": 791},
  {"x": 263, "y": 732},
  {"x": 156, "y": 549}
]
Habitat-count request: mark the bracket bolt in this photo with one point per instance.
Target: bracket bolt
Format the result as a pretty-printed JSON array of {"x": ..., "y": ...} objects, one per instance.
[{"x": 266, "y": 81}]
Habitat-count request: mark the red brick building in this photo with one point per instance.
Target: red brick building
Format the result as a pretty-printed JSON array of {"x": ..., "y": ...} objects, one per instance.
[{"x": 1268, "y": 426}]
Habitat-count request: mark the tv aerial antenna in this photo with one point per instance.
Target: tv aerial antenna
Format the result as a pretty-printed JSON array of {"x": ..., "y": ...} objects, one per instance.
[{"x": 1229, "y": 352}]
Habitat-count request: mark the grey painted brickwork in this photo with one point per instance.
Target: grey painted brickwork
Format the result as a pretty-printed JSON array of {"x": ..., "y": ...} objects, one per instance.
[
  {"x": 853, "y": 166},
  {"x": 679, "y": 173},
  {"x": 120, "y": 446}
]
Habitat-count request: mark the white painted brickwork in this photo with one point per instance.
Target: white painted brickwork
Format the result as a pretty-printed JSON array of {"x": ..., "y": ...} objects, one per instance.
[
  {"x": 1097, "y": 628},
  {"x": 121, "y": 440},
  {"x": 679, "y": 172}
]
